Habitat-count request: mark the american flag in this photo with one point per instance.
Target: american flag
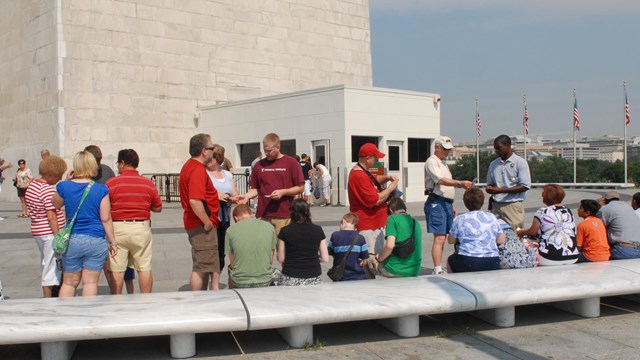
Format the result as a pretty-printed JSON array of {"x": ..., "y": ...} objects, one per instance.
[
  {"x": 525, "y": 121},
  {"x": 478, "y": 123},
  {"x": 627, "y": 110},
  {"x": 576, "y": 114}
]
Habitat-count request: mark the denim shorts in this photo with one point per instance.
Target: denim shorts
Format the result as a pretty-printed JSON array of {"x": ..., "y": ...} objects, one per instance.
[
  {"x": 85, "y": 252},
  {"x": 439, "y": 215}
]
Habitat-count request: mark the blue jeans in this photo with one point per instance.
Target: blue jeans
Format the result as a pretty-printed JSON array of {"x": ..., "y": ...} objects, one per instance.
[
  {"x": 85, "y": 252},
  {"x": 619, "y": 252},
  {"x": 462, "y": 263}
]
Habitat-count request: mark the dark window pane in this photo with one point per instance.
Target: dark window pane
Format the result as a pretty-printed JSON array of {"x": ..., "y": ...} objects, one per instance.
[
  {"x": 357, "y": 142},
  {"x": 419, "y": 150},
  {"x": 320, "y": 154},
  {"x": 288, "y": 147},
  {"x": 394, "y": 158},
  {"x": 248, "y": 153}
]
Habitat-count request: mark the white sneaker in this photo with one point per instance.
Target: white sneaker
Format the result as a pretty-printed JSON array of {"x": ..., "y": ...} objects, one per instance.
[
  {"x": 441, "y": 272},
  {"x": 1, "y": 218}
]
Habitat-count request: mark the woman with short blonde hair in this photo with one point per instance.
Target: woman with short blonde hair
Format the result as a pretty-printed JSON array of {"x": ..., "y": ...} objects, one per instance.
[
  {"x": 85, "y": 165},
  {"x": 87, "y": 252}
]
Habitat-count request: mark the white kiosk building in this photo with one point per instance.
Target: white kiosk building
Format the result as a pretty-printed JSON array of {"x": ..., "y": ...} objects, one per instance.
[{"x": 330, "y": 124}]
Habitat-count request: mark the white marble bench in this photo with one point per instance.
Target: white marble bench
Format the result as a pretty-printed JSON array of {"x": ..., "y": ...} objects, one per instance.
[
  {"x": 395, "y": 303},
  {"x": 398, "y": 303},
  {"x": 573, "y": 288},
  {"x": 58, "y": 323}
]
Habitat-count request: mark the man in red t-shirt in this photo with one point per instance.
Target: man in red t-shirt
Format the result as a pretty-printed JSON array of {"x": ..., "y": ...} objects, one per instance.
[
  {"x": 200, "y": 203},
  {"x": 367, "y": 200},
  {"x": 132, "y": 197},
  {"x": 277, "y": 179}
]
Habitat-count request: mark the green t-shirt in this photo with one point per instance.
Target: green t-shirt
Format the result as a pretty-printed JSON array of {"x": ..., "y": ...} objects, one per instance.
[
  {"x": 251, "y": 241},
  {"x": 401, "y": 226}
]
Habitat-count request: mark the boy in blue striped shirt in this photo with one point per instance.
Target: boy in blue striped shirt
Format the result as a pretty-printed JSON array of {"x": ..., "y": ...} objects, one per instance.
[{"x": 339, "y": 245}]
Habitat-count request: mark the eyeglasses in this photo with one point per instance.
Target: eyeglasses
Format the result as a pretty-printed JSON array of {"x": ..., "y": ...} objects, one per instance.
[
  {"x": 21, "y": 163},
  {"x": 209, "y": 148}
]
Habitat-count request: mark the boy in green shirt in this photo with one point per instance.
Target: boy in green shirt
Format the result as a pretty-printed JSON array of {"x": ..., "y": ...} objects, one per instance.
[{"x": 250, "y": 244}]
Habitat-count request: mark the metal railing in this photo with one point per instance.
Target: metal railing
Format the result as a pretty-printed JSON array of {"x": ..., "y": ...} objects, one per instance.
[{"x": 168, "y": 185}]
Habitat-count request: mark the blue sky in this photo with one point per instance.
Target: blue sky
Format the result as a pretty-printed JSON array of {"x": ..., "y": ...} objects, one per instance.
[{"x": 498, "y": 50}]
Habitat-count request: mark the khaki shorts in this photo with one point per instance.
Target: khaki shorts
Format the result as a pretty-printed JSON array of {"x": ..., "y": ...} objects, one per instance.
[
  {"x": 134, "y": 246},
  {"x": 278, "y": 223},
  {"x": 512, "y": 213},
  {"x": 204, "y": 250}
]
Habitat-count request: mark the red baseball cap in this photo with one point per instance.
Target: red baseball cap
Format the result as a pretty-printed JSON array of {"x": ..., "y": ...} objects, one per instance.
[{"x": 370, "y": 149}]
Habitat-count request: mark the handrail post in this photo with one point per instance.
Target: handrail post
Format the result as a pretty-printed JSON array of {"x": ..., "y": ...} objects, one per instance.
[
  {"x": 167, "y": 188},
  {"x": 338, "y": 182}
]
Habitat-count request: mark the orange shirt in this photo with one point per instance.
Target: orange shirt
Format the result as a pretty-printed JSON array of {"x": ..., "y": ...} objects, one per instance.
[{"x": 592, "y": 237}]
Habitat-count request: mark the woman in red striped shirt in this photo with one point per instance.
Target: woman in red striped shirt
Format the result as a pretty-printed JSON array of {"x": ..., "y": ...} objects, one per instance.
[{"x": 46, "y": 220}]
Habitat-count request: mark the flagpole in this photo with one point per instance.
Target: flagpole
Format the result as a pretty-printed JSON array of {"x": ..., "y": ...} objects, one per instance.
[
  {"x": 574, "y": 137},
  {"x": 624, "y": 86},
  {"x": 477, "y": 144},
  {"x": 525, "y": 125}
]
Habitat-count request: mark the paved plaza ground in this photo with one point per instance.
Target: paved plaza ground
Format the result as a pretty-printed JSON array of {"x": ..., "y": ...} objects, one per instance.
[{"x": 540, "y": 332}]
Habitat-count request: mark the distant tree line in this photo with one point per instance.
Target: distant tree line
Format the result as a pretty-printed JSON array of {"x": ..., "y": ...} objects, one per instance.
[{"x": 554, "y": 170}]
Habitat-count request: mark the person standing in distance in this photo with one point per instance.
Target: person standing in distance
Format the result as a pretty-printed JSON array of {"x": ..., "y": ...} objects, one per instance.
[
  {"x": 199, "y": 200},
  {"x": 305, "y": 164},
  {"x": 439, "y": 186},
  {"x": 104, "y": 171},
  {"x": 508, "y": 180}
]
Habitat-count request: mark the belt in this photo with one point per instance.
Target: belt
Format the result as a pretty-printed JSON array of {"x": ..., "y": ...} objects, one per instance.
[
  {"x": 133, "y": 220},
  {"x": 627, "y": 245},
  {"x": 436, "y": 197}
]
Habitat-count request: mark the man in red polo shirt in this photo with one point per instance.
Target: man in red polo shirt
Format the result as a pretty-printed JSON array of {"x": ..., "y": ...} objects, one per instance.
[
  {"x": 200, "y": 203},
  {"x": 132, "y": 197},
  {"x": 367, "y": 198}
]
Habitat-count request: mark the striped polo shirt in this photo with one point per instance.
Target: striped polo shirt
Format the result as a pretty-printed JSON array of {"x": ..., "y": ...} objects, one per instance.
[
  {"x": 132, "y": 196},
  {"x": 38, "y": 198}
]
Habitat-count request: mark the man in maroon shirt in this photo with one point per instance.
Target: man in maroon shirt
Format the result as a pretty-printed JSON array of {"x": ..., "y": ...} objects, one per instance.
[
  {"x": 132, "y": 197},
  {"x": 200, "y": 203},
  {"x": 276, "y": 179}
]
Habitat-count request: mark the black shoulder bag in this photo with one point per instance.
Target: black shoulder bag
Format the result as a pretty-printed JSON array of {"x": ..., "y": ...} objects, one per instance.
[
  {"x": 407, "y": 247},
  {"x": 336, "y": 273}
]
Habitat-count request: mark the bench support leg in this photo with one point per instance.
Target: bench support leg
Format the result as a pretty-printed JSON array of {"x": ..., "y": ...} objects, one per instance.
[
  {"x": 405, "y": 326},
  {"x": 297, "y": 336},
  {"x": 58, "y": 350},
  {"x": 182, "y": 345},
  {"x": 584, "y": 307},
  {"x": 503, "y": 317}
]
